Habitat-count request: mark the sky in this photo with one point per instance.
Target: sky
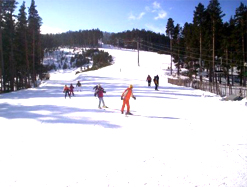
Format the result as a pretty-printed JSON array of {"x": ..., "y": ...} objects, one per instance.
[
  {"x": 178, "y": 136},
  {"x": 120, "y": 15}
]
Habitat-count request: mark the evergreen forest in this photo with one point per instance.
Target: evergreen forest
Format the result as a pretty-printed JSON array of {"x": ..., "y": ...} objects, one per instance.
[{"x": 206, "y": 47}]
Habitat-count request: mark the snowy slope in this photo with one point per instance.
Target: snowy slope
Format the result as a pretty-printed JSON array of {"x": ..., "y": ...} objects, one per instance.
[{"x": 177, "y": 137}]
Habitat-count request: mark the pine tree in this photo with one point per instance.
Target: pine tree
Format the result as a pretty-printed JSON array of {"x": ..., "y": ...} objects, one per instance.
[
  {"x": 187, "y": 35},
  {"x": 215, "y": 14},
  {"x": 2, "y": 72},
  {"x": 176, "y": 46},
  {"x": 34, "y": 24},
  {"x": 170, "y": 34},
  {"x": 22, "y": 47},
  {"x": 241, "y": 31},
  {"x": 9, "y": 34},
  {"x": 225, "y": 47},
  {"x": 199, "y": 22}
]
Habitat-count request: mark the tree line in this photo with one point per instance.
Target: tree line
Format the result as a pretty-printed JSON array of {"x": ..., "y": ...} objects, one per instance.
[
  {"x": 22, "y": 45},
  {"x": 131, "y": 39},
  {"x": 21, "y": 51},
  {"x": 81, "y": 38},
  {"x": 211, "y": 45}
]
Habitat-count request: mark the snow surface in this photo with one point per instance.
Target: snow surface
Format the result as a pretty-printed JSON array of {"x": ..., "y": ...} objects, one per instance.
[{"x": 178, "y": 137}]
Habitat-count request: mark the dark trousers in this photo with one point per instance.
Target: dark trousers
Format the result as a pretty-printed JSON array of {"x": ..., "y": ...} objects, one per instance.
[
  {"x": 67, "y": 93},
  {"x": 156, "y": 86}
]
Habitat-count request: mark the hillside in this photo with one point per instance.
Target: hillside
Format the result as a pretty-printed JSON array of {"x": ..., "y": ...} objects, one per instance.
[{"x": 177, "y": 136}]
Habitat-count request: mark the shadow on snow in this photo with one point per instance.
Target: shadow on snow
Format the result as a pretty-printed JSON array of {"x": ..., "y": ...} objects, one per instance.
[{"x": 53, "y": 114}]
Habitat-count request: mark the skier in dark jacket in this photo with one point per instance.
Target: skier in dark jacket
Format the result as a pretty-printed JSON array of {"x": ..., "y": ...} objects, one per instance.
[
  {"x": 149, "y": 79},
  {"x": 157, "y": 77},
  {"x": 78, "y": 86},
  {"x": 100, "y": 93},
  {"x": 156, "y": 81}
]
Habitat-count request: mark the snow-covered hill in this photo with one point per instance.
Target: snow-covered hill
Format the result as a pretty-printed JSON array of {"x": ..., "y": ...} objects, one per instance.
[{"x": 177, "y": 137}]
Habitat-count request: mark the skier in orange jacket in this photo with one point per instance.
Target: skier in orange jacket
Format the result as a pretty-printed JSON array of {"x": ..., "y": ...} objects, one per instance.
[
  {"x": 66, "y": 90},
  {"x": 126, "y": 97}
]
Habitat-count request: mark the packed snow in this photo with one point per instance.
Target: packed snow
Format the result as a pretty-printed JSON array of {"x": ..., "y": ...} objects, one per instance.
[{"x": 177, "y": 137}]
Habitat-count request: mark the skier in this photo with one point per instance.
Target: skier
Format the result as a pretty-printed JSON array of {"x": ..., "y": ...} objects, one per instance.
[
  {"x": 157, "y": 77},
  {"x": 71, "y": 90},
  {"x": 156, "y": 82},
  {"x": 149, "y": 79},
  {"x": 78, "y": 84},
  {"x": 66, "y": 91},
  {"x": 126, "y": 97},
  {"x": 100, "y": 92}
]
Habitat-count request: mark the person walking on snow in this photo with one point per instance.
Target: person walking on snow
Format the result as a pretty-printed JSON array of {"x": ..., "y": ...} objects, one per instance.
[
  {"x": 78, "y": 84},
  {"x": 100, "y": 93},
  {"x": 156, "y": 82},
  {"x": 149, "y": 79},
  {"x": 71, "y": 90},
  {"x": 157, "y": 77},
  {"x": 126, "y": 97},
  {"x": 66, "y": 91}
]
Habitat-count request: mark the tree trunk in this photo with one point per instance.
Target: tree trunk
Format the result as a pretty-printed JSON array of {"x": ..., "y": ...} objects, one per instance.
[
  {"x": 27, "y": 74},
  {"x": 138, "y": 51},
  {"x": 200, "y": 55},
  {"x": 33, "y": 58},
  {"x": 232, "y": 70},
  {"x": 213, "y": 65},
  {"x": 2, "y": 64},
  {"x": 12, "y": 63},
  {"x": 243, "y": 68},
  {"x": 12, "y": 66},
  {"x": 178, "y": 60},
  {"x": 227, "y": 70},
  {"x": 171, "y": 54},
  {"x": 1, "y": 53}
]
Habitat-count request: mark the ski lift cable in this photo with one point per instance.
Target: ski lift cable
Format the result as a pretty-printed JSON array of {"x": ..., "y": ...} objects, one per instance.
[
  {"x": 203, "y": 55},
  {"x": 187, "y": 56}
]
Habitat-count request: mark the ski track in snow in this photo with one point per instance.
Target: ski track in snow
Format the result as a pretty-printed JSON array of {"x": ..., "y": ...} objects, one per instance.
[{"x": 176, "y": 137}]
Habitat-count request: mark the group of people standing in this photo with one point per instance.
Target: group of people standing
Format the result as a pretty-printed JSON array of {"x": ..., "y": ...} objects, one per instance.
[
  {"x": 155, "y": 79},
  {"x": 99, "y": 92},
  {"x": 126, "y": 95},
  {"x": 68, "y": 91}
]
